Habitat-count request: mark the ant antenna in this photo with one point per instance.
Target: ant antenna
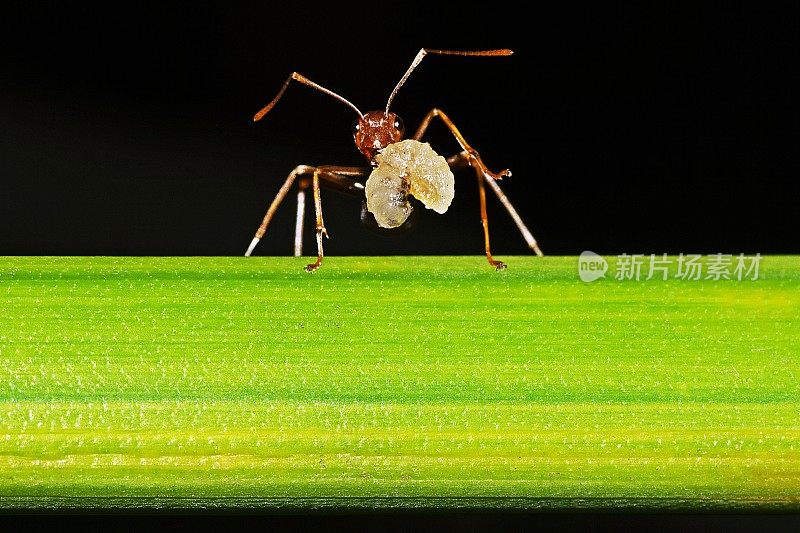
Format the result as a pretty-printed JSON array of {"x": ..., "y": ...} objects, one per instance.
[
  {"x": 302, "y": 79},
  {"x": 425, "y": 51}
]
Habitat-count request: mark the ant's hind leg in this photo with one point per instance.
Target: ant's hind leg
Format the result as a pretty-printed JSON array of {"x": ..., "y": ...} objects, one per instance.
[
  {"x": 301, "y": 211},
  {"x": 298, "y": 170},
  {"x": 523, "y": 229}
]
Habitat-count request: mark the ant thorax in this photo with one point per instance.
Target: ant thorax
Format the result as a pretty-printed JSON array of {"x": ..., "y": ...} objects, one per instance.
[{"x": 408, "y": 168}]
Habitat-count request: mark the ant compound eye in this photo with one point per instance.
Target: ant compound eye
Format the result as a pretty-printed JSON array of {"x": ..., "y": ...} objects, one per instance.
[
  {"x": 356, "y": 126},
  {"x": 398, "y": 123}
]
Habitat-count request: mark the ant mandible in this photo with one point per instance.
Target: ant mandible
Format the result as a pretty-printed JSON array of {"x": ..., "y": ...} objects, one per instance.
[{"x": 401, "y": 173}]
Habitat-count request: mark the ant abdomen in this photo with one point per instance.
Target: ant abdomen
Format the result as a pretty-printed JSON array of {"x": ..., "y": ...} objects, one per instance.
[{"x": 408, "y": 168}]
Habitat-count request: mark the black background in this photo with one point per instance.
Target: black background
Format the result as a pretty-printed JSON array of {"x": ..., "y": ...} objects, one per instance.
[{"x": 126, "y": 129}]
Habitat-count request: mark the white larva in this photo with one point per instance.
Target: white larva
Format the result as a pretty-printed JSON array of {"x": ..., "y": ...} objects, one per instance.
[{"x": 408, "y": 167}]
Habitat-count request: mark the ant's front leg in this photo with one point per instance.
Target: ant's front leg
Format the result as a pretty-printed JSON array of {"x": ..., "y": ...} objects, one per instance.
[
  {"x": 335, "y": 178},
  {"x": 470, "y": 157},
  {"x": 343, "y": 180},
  {"x": 462, "y": 160},
  {"x": 474, "y": 157},
  {"x": 320, "y": 224}
]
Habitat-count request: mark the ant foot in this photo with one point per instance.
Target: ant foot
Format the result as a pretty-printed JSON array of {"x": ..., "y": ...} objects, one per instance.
[
  {"x": 314, "y": 266},
  {"x": 475, "y": 159},
  {"x": 498, "y": 265},
  {"x": 505, "y": 173}
]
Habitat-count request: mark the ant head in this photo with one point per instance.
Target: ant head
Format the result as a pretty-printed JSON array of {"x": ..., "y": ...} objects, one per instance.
[{"x": 376, "y": 130}]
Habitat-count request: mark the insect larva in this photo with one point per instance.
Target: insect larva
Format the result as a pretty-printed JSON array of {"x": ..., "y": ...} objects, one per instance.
[{"x": 408, "y": 167}]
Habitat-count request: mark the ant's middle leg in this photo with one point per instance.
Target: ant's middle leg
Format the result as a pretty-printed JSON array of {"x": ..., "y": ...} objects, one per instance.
[{"x": 470, "y": 157}]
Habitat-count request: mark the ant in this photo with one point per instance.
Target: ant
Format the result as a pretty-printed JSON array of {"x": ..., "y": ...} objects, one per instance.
[{"x": 402, "y": 173}]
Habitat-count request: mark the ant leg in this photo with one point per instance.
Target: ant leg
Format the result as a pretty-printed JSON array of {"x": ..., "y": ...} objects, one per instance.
[
  {"x": 301, "y": 211},
  {"x": 498, "y": 265},
  {"x": 298, "y": 170},
  {"x": 320, "y": 224},
  {"x": 461, "y": 160},
  {"x": 523, "y": 229},
  {"x": 473, "y": 159},
  {"x": 457, "y": 162},
  {"x": 472, "y": 154},
  {"x": 333, "y": 177}
]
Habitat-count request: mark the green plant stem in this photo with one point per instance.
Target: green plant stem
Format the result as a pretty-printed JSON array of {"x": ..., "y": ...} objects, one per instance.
[{"x": 429, "y": 382}]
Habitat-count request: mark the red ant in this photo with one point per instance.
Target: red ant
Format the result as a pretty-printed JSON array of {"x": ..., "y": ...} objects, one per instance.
[{"x": 401, "y": 173}]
